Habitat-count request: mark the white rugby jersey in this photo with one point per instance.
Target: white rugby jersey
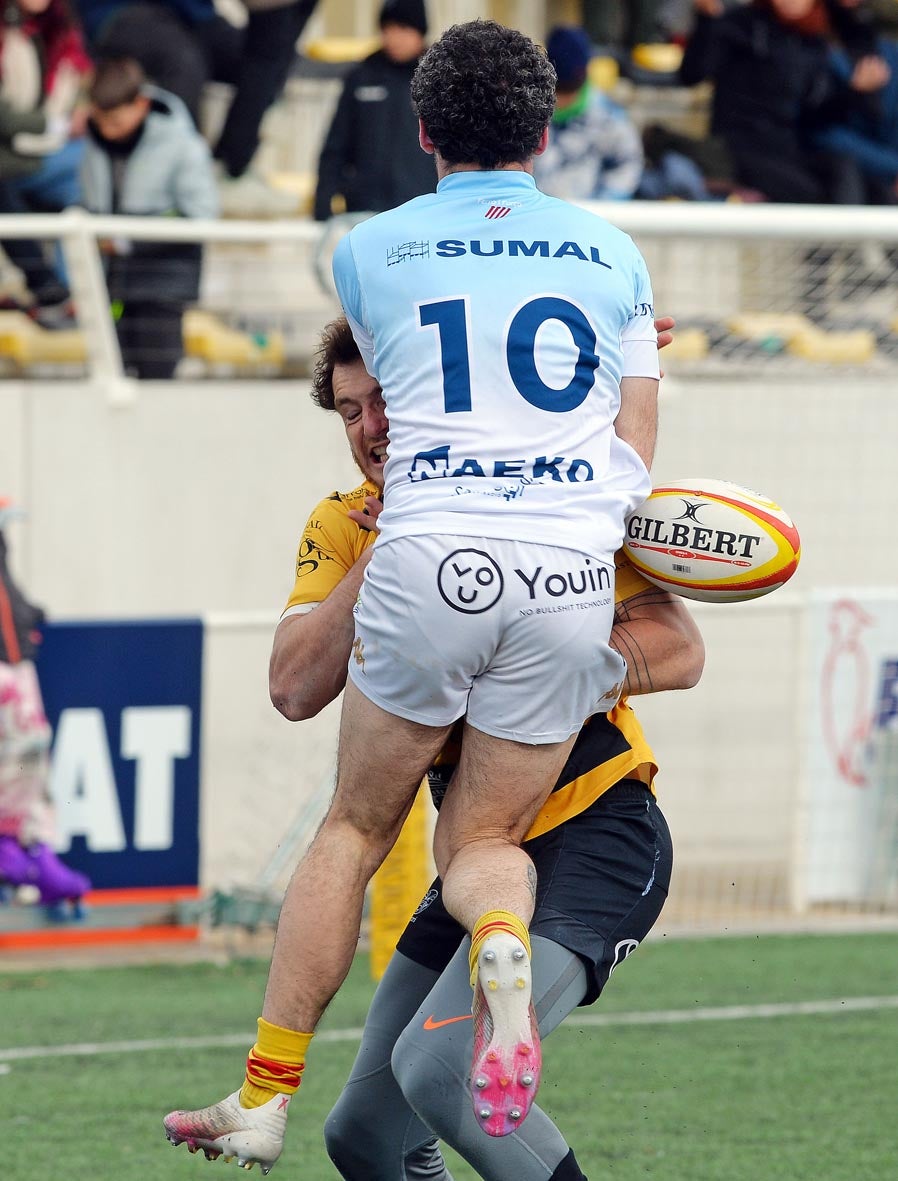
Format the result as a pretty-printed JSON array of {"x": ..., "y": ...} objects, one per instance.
[{"x": 499, "y": 323}]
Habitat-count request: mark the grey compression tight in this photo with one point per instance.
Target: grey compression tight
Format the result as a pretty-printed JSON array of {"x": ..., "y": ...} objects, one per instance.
[{"x": 408, "y": 1086}]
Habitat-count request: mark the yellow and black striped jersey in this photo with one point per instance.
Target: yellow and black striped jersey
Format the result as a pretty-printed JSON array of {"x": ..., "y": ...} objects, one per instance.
[{"x": 610, "y": 747}]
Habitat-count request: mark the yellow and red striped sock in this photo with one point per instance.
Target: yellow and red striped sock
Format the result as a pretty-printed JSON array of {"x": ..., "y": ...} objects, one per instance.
[
  {"x": 275, "y": 1064},
  {"x": 488, "y": 924}
]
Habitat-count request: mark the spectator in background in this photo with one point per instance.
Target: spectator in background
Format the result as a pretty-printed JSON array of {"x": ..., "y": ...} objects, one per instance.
[
  {"x": 183, "y": 44},
  {"x": 868, "y": 132},
  {"x": 145, "y": 157},
  {"x": 269, "y": 49},
  {"x": 371, "y": 157},
  {"x": 26, "y": 809},
  {"x": 773, "y": 89},
  {"x": 43, "y": 65},
  {"x": 595, "y": 150},
  {"x": 678, "y": 167},
  {"x": 622, "y": 23}
]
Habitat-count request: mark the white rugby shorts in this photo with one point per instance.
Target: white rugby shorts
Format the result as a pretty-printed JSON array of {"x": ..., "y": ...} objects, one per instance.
[{"x": 514, "y": 634}]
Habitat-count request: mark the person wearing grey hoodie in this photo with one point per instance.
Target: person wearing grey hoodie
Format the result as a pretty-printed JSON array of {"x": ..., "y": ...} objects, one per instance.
[{"x": 144, "y": 157}]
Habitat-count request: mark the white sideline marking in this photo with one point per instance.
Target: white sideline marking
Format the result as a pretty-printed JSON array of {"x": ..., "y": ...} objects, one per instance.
[{"x": 857, "y": 1004}]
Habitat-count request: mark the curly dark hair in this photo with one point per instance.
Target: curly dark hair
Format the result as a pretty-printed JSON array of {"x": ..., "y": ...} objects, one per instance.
[
  {"x": 336, "y": 347},
  {"x": 485, "y": 94}
]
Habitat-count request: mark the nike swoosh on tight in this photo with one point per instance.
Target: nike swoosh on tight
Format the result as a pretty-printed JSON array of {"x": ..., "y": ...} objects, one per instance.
[{"x": 431, "y": 1024}]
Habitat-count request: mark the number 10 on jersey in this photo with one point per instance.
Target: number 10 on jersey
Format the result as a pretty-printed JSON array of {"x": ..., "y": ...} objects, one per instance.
[{"x": 451, "y": 319}]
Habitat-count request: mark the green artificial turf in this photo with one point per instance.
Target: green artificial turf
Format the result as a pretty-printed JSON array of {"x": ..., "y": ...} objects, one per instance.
[{"x": 803, "y": 1098}]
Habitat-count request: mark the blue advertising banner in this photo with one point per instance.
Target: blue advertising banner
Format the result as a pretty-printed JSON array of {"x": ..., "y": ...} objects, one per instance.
[{"x": 123, "y": 699}]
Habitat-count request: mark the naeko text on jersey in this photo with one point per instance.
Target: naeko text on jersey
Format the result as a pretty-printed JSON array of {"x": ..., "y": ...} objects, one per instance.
[{"x": 436, "y": 464}]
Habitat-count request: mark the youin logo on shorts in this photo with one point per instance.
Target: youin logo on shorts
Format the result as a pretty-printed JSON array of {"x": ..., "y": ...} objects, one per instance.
[{"x": 470, "y": 581}]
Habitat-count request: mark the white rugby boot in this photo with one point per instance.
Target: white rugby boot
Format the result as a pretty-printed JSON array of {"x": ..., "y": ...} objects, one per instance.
[
  {"x": 507, "y": 1062},
  {"x": 251, "y": 1135}
]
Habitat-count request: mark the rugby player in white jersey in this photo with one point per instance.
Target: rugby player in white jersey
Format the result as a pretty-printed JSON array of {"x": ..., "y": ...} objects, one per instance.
[
  {"x": 600, "y": 846},
  {"x": 513, "y": 338}
]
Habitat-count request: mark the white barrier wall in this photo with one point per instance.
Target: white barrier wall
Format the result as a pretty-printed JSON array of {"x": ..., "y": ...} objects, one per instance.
[
  {"x": 188, "y": 501},
  {"x": 192, "y": 499}
]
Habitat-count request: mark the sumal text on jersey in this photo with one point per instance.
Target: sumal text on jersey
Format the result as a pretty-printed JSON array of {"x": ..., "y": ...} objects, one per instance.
[{"x": 517, "y": 248}]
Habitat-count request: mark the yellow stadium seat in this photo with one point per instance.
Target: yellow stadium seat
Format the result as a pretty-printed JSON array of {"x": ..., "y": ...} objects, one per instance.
[
  {"x": 803, "y": 338},
  {"x": 766, "y": 325},
  {"x": 660, "y": 59},
  {"x": 692, "y": 344},
  {"x": 336, "y": 50},
  {"x": 300, "y": 185},
  {"x": 27, "y": 344},
  {"x": 833, "y": 348},
  {"x": 604, "y": 73},
  {"x": 210, "y": 340}
]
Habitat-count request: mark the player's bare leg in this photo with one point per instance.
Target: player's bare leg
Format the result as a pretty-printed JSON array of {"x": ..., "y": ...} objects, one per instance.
[
  {"x": 489, "y": 885},
  {"x": 381, "y": 762}
]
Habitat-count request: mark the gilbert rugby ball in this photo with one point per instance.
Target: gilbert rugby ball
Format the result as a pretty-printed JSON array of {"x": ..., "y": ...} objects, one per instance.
[{"x": 712, "y": 541}]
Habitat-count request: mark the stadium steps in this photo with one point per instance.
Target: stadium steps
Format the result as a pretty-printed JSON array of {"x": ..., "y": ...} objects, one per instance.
[{"x": 28, "y": 346}]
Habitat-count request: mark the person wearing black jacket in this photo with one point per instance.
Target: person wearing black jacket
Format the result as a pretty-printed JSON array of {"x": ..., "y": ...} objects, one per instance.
[
  {"x": 768, "y": 61},
  {"x": 371, "y": 156}
]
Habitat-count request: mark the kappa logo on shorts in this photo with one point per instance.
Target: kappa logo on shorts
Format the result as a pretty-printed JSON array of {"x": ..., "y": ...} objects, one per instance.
[
  {"x": 612, "y": 697},
  {"x": 358, "y": 653},
  {"x": 470, "y": 581}
]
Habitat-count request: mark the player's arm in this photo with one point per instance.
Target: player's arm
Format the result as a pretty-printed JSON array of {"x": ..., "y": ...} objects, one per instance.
[
  {"x": 657, "y": 637},
  {"x": 637, "y": 419},
  {"x": 314, "y": 638},
  {"x": 641, "y": 339},
  {"x": 310, "y": 652}
]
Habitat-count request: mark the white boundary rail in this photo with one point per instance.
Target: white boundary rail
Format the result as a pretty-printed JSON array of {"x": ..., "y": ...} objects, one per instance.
[{"x": 79, "y": 234}]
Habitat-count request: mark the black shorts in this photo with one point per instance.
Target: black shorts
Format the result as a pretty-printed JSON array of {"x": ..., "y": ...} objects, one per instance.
[{"x": 602, "y": 879}]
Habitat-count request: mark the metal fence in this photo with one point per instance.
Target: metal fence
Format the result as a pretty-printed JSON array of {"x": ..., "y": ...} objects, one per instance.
[{"x": 787, "y": 288}]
